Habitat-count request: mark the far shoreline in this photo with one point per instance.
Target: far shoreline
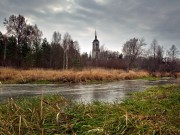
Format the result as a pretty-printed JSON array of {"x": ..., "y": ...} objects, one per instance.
[{"x": 71, "y": 76}]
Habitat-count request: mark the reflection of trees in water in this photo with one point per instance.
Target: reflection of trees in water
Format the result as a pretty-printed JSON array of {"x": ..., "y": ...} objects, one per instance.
[
  {"x": 132, "y": 85},
  {"x": 108, "y": 92}
]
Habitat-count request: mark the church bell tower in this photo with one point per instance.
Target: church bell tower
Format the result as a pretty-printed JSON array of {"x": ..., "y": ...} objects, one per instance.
[{"x": 95, "y": 48}]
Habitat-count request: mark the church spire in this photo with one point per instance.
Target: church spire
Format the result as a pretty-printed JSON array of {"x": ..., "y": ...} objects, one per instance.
[
  {"x": 95, "y": 35},
  {"x": 95, "y": 47}
]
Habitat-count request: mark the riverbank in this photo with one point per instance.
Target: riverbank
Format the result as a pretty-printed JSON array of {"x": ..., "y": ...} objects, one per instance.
[
  {"x": 155, "y": 111},
  {"x": 9, "y": 75}
]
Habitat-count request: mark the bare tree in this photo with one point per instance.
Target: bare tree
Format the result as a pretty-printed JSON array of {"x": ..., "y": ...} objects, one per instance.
[
  {"x": 15, "y": 26},
  {"x": 76, "y": 48},
  {"x": 56, "y": 38},
  {"x": 132, "y": 49},
  {"x": 32, "y": 35},
  {"x": 153, "y": 48},
  {"x": 173, "y": 62},
  {"x": 159, "y": 54},
  {"x": 153, "y": 65},
  {"x": 66, "y": 43},
  {"x": 173, "y": 52}
]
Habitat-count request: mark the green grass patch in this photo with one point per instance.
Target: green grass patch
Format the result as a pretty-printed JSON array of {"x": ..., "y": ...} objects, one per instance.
[
  {"x": 150, "y": 78},
  {"x": 155, "y": 111}
]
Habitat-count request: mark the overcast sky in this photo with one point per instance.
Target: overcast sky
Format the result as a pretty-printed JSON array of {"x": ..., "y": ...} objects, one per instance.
[{"x": 115, "y": 21}]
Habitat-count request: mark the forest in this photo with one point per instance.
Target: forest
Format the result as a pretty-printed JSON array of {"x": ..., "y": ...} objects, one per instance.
[{"x": 22, "y": 46}]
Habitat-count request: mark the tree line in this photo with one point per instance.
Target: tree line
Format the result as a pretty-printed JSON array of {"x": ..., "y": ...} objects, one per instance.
[
  {"x": 23, "y": 47},
  {"x": 136, "y": 54}
]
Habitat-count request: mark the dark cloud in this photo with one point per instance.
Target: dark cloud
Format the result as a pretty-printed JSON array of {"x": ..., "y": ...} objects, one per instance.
[{"x": 115, "y": 20}]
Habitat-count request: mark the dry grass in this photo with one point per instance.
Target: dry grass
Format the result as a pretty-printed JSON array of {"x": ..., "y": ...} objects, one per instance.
[
  {"x": 61, "y": 76},
  {"x": 10, "y": 75},
  {"x": 165, "y": 74}
]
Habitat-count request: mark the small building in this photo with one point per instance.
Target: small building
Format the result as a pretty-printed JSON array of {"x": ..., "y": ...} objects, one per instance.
[{"x": 95, "y": 48}]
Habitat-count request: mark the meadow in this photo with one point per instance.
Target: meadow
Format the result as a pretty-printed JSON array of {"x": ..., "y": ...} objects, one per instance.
[{"x": 154, "y": 111}]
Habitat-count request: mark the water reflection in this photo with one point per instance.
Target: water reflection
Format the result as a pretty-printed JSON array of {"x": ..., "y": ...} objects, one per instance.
[{"x": 107, "y": 92}]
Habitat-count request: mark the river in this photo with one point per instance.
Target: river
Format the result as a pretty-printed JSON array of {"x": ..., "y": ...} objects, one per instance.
[{"x": 106, "y": 92}]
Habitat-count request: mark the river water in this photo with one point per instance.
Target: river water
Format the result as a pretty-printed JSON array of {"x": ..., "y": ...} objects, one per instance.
[{"x": 106, "y": 92}]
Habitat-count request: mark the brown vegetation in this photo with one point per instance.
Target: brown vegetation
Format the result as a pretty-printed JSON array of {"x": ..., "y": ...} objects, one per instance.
[{"x": 11, "y": 75}]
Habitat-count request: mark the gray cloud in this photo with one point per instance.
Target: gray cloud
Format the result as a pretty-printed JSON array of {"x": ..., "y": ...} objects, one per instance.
[{"x": 116, "y": 21}]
